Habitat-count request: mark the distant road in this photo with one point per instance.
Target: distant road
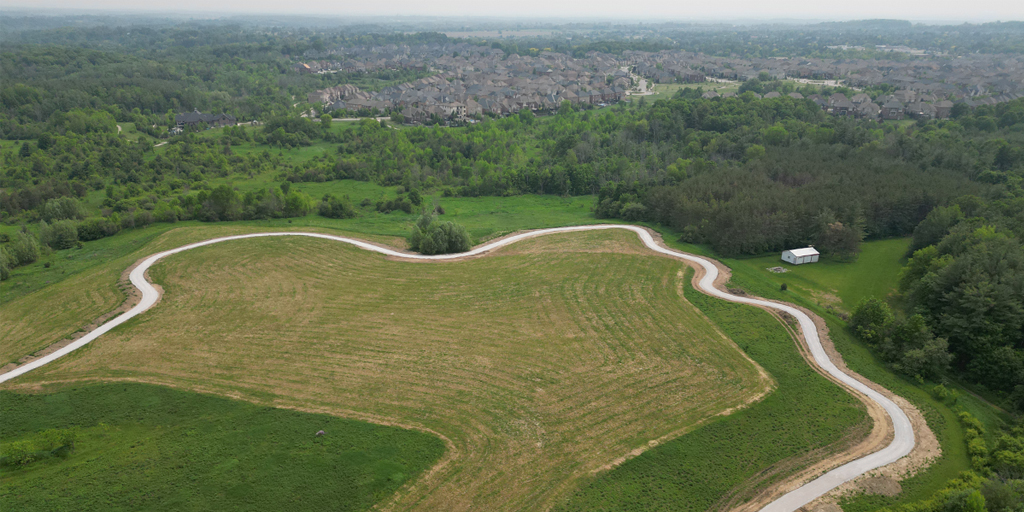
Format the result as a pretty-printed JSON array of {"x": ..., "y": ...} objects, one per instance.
[{"x": 901, "y": 445}]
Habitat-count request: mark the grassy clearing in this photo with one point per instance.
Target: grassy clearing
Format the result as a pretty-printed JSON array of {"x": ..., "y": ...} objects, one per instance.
[
  {"x": 541, "y": 363},
  {"x": 145, "y": 447},
  {"x": 667, "y": 91},
  {"x": 42, "y": 304},
  {"x": 810, "y": 286},
  {"x": 485, "y": 218},
  {"x": 834, "y": 283},
  {"x": 727, "y": 461}
]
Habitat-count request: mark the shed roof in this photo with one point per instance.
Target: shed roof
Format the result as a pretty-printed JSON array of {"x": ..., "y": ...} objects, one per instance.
[{"x": 806, "y": 251}]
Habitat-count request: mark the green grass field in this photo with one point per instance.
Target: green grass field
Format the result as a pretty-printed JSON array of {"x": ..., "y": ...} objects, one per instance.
[
  {"x": 484, "y": 218},
  {"x": 144, "y": 447},
  {"x": 541, "y": 363},
  {"x": 873, "y": 274},
  {"x": 82, "y": 280},
  {"x": 831, "y": 282},
  {"x": 725, "y": 463}
]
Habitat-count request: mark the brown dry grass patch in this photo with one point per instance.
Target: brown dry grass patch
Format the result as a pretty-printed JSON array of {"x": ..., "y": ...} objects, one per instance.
[{"x": 540, "y": 363}]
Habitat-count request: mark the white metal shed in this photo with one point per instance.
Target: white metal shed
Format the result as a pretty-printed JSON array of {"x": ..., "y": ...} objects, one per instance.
[{"x": 800, "y": 256}]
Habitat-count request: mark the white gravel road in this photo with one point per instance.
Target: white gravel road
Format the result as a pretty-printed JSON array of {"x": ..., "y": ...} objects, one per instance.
[{"x": 902, "y": 443}]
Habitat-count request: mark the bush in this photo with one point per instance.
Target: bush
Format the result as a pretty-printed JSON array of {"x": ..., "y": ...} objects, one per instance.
[
  {"x": 22, "y": 249},
  {"x": 63, "y": 208},
  {"x": 48, "y": 443},
  {"x": 60, "y": 235},
  {"x": 430, "y": 236},
  {"x": 400, "y": 203},
  {"x": 335, "y": 208},
  {"x": 96, "y": 228},
  {"x": 5, "y": 266}
]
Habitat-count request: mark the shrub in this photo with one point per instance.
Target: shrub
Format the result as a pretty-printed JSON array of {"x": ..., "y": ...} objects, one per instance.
[
  {"x": 5, "y": 266},
  {"x": 871, "y": 320},
  {"x": 96, "y": 228},
  {"x": 430, "y": 236},
  {"x": 22, "y": 249},
  {"x": 60, "y": 235},
  {"x": 63, "y": 208},
  {"x": 388, "y": 206},
  {"x": 335, "y": 208}
]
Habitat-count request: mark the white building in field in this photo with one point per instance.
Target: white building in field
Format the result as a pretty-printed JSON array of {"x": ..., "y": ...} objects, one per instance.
[{"x": 800, "y": 256}]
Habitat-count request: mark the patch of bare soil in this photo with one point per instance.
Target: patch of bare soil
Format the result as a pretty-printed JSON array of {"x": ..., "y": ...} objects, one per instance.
[{"x": 825, "y": 507}]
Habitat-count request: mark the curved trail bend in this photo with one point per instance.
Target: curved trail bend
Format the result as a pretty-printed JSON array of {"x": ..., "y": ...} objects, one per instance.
[{"x": 901, "y": 445}]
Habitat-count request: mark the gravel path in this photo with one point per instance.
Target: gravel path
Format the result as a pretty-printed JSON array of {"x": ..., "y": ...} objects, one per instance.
[{"x": 902, "y": 444}]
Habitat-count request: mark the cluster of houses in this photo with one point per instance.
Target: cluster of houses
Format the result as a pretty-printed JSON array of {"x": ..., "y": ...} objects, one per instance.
[
  {"x": 197, "y": 119},
  {"x": 926, "y": 80},
  {"x": 889, "y": 107},
  {"x": 472, "y": 80},
  {"x": 468, "y": 79}
]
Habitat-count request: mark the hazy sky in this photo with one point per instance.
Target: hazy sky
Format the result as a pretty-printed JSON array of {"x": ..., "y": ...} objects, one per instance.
[{"x": 916, "y": 10}]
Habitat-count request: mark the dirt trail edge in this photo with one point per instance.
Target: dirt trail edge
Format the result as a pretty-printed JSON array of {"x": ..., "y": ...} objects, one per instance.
[{"x": 903, "y": 433}]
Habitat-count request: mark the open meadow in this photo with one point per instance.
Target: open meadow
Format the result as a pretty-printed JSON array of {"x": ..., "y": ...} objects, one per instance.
[
  {"x": 144, "y": 447},
  {"x": 667, "y": 91},
  {"x": 540, "y": 364},
  {"x": 49, "y": 303}
]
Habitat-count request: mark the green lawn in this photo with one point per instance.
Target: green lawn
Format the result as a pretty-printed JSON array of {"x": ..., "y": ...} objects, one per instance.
[
  {"x": 145, "y": 447},
  {"x": 874, "y": 274},
  {"x": 484, "y": 217},
  {"x": 730, "y": 456},
  {"x": 815, "y": 286},
  {"x": 540, "y": 362}
]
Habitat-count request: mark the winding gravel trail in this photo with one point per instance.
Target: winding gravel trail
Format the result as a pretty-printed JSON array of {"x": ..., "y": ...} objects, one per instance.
[{"x": 902, "y": 444}]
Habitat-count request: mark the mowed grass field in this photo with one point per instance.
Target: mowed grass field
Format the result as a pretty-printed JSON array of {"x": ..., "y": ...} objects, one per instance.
[
  {"x": 729, "y": 461},
  {"x": 144, "y": 447},
  {"x": 541, "y": 363},
  {"x": 834, "y": 283},
  {"x": 874, "y": 274},
  {"x": 41, "y": 306}
]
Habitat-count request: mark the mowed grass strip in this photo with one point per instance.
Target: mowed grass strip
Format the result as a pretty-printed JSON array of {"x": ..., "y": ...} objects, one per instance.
[
  {"x": 726, "y": 462},
  {"x": 541, "y": 363},
  {"x": 144, "y": 447},
  {"x": 828, "y": 282},
  {"x": 37, "y": 313}
]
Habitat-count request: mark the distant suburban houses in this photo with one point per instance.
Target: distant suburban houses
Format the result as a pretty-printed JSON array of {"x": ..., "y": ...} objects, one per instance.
[
  {"x": 469, "y": 80},
  {"x": 197, "y": 119}
]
